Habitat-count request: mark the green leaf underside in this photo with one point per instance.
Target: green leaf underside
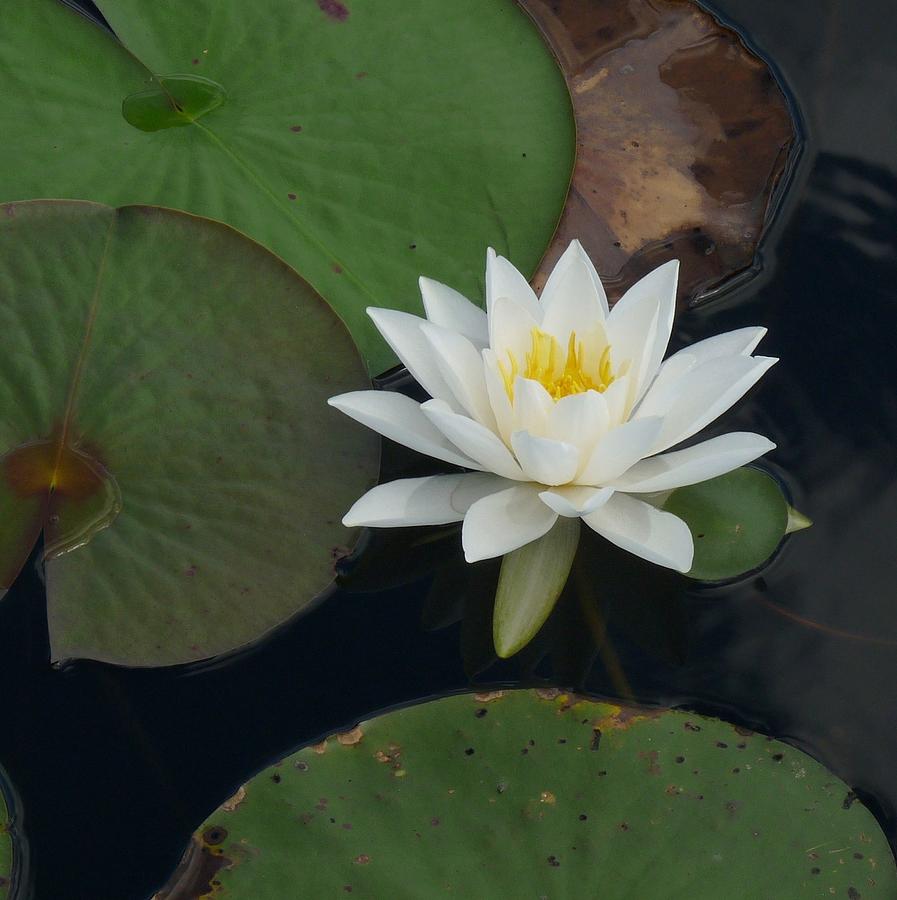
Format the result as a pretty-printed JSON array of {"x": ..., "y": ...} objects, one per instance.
[
  {"x": 364, "y": 149},
  {"x": 5, "y": 850},
  {"x": 737, "y": 522},
  {"x": 530, "y": 797},
  {"x": 184, "y": 372},
  {"x": 530, "y": 582}
]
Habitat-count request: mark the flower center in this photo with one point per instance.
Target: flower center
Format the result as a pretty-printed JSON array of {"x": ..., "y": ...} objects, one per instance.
[{"x": 559, "y": 373}]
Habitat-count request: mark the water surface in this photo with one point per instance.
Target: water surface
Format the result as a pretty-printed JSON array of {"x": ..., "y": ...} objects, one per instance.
[{"x": 114, "y": 768}]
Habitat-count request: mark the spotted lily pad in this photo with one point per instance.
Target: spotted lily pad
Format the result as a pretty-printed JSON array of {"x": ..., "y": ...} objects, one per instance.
[
  {"x": 163, "y": 419},
  {"x": 683, "y": 135},
  {"x": 523, "y": 795},
  {"x": 363, "y": 142}
]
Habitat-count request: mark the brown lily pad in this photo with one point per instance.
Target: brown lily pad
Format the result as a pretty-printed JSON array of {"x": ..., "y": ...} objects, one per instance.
[{"x": 682, "y": 136}]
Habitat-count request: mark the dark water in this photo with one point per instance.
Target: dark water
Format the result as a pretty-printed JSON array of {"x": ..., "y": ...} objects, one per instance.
[{"x": 114, "y": 768}]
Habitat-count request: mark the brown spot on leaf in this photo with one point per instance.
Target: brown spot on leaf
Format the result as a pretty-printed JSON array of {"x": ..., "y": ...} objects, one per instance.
[
  {"x": 351, "y": 738},
  {"x": 196, "y": 873},
  {"x": 488, "y": 696},
  {"x": 651, "y": 757},
  {"x": 623, "y": 717},
  {"x": 547, "y": 693},
  {"x": 232, "y": 803},
  {"x": 362, "y": 859},
  {"x": 333, "y": 9}
]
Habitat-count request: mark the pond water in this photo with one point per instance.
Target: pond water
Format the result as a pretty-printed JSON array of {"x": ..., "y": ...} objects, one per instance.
[{"x": 114, "y": 768}]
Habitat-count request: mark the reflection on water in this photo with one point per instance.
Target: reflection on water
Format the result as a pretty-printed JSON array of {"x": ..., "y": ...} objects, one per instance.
[{"x": 141, "y": 757}]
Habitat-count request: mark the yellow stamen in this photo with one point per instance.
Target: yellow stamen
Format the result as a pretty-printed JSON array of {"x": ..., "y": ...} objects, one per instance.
[{"x": 560, "y": 375}]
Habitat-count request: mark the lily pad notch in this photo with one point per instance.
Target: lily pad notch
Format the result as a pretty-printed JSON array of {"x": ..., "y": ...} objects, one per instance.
[{"x": 166, "y": 428}]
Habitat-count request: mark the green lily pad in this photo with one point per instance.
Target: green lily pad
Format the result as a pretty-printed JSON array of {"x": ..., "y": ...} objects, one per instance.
[
  {"x": 364, "y": 143},
  {"x": 541, "y": 796},
  {"x": 162, "y": 386},
  {"x": 5, "y": 850},
  {"x": 737, "y": 521}
]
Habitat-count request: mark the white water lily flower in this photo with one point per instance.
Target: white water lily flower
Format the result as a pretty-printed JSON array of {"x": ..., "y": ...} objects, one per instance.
[{"x": 562, "y": 407}]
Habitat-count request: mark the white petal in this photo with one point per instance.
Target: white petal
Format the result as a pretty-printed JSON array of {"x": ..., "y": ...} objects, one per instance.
[
  {"x": 617, "y": 398},
  {"x": 740, "y": 342},
  {"x": 461, "y": 366},
  {"x": 634, "y": 333},
  {"x": 400, "y": 419},
  {"x": 510, "y": 330},
  {"x": 574, "y": 269},
  {"x": 447, "y": 307},
  {"x": 694, "y": 464},
  {"x": 435, "y": 500},
  {"x": 403, "y": 333},
  {"x": 532, "y": 406},
  {"x": 573, "y": 298},
  {"x": 504, "y": 521},
  {"x": 664, "y": 389},
  {"x": 631, "y": 334},
  {"x": 580, "y": 419},
  {"x": 498, "y": 396},
  {"x": 503, "y": 280},
  {"x": 655, "y": 535},
  {"x": 545, "y": 460},
  {"x": 474, "y": 440},
  {"x": 619, "y": 449},
  {"x": 575, "y": 500},
  {"x": 706, "y": 392}
]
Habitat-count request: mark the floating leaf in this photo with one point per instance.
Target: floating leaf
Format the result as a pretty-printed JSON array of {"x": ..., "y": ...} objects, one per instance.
[
  {"x": 162, "y": 387},
  {"x": 532, "y": 578},
  {"x": 5, "y": 850},
  {"x": 683, "y": 134},
  {"x": 524, "y": 796},
  {"x": 737, "y": 521},
  {"x": 364, "y": 143}
]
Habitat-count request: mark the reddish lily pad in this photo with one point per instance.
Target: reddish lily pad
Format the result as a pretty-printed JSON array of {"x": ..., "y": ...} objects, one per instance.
[{"x": 683, "y": 134}]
